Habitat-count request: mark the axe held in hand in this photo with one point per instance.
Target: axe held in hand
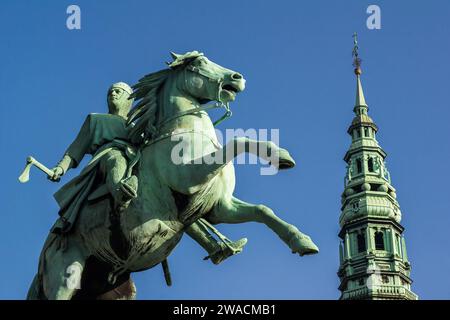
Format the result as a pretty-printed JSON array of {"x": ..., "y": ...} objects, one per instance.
[{"x": 25, "y": 176}]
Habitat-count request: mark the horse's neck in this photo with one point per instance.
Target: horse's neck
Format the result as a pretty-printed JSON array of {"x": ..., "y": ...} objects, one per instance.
[{"x": 173, "y": 102}]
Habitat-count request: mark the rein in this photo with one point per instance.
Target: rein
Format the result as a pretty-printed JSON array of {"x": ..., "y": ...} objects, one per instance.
[
  {"x": 205, "y": 108},
  {"x": 219, "y": 104}
]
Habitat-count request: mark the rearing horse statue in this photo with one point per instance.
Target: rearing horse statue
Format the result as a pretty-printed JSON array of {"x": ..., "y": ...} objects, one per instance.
[{"x": 172, "y": 194}]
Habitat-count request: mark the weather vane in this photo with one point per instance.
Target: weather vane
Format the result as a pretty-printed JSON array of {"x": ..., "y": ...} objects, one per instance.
[{"x": 356, "y": 59}]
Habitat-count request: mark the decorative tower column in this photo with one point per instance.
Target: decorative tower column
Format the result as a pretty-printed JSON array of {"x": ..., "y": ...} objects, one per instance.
[{"x": 374, "y": 264}]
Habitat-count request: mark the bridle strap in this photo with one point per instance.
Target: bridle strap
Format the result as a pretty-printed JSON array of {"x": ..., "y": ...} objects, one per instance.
[
  {"x": 194, "y": 111},
  {"x": 205, "y": 108},
  {"x": 227, "y": 114},
  {"x": 212, "y": 78}
]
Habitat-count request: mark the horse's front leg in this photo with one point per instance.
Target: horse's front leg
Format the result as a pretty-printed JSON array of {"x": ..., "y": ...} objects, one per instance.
[
  {"x": 238, "y": 211},
  {"x": 267, "y": 150},
  {"x": 198, "y": 170}
]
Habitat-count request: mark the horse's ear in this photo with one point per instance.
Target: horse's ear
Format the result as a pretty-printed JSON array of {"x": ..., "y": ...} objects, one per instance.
[{"x": 174, "y": 55}]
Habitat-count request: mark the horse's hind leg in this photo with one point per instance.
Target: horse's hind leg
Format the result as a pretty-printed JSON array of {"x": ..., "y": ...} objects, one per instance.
[
  {"x": 238, "y": 211},
  {"x": 62, "y": 272}
]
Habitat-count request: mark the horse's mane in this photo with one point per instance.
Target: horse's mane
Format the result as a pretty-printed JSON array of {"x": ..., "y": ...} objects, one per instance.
[{"x": 143, "y": 114}]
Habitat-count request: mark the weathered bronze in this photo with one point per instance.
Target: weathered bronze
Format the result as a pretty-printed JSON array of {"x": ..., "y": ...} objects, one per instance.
[{"x": 131, "y": 204}]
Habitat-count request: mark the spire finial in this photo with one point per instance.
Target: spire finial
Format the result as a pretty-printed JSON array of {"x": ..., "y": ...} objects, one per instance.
[
  {"x": 360, "y": 101},
  {"x": 356, "y": 59}
]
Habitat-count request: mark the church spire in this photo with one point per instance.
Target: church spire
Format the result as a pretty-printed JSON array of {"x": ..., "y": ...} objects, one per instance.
[
  {"x": 373, "y": 259},
  {"x": 360, "y": 101}
]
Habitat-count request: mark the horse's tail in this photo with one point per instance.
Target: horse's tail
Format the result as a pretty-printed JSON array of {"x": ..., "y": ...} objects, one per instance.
[{"x": 35, "y": 291}]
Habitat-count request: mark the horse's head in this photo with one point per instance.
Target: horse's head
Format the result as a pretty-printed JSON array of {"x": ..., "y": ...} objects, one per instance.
[
  {"x": 194, "y": 75},
  {"x": 206, "y": 80}
]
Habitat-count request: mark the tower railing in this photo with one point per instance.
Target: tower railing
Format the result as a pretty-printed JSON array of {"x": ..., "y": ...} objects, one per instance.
[{"x": 380, "y": 291}]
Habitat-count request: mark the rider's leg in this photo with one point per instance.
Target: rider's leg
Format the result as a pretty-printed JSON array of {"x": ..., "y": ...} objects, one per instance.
[
  {"x": 121, "y": 188},
  {"x": 217, "y": 251},
  {"x": 201, "y": 235},
  {"x": 238, "y": 211}
]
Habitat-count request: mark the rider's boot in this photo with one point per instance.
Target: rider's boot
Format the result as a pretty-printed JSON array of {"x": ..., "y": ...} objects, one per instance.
[
  {"x": 217, "y": 251},
  {"x": 226, "y": 250},
  {"x": 125, "y": 192}
]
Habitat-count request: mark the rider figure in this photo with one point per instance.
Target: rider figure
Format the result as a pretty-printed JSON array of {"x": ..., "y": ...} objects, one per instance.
[{"x": 105, "y": 136}]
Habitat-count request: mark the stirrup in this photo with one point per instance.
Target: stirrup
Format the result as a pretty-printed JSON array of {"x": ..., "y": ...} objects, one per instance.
[
  {"x": 226, "y": 250},
  {"x": 129, "y": 187}
]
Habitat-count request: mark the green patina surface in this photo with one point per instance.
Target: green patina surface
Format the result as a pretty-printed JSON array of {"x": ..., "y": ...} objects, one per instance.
[{"x": 131, "y": 204}]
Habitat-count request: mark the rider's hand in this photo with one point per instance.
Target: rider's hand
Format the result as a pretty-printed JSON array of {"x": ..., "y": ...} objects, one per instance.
[{"x": 57, "y": 173}]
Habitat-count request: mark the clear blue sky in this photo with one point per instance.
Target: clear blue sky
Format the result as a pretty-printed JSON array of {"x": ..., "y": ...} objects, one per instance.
[{"x": 296, "y": 57}]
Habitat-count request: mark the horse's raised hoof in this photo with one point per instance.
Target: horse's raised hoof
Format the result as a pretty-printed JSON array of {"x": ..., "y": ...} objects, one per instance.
[
  {"x": 227, "y": 251},
  {"x": 285, "y": 161},
  {"x": 301, "y": 243}
]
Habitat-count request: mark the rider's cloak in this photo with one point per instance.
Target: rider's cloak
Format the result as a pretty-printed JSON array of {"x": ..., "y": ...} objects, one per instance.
[{"x": 99, "y": 134}]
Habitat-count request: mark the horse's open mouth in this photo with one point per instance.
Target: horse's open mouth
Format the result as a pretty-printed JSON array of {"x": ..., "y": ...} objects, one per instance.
[{"x": 230, "y": 88}]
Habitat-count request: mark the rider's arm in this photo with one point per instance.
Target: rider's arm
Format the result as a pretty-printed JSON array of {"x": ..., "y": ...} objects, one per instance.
[
  {"x": 75, "y": 152},
  {"x": 61, "y": 168}
]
